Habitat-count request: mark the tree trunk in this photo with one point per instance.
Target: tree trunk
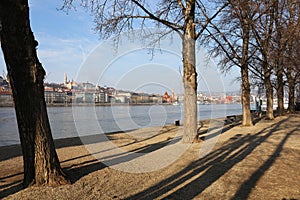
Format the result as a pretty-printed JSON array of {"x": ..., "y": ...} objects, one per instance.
[
  {"x": 279, "y": 60},
  {"x": 189, "y": 76},
  {"x": 269, "y": 92},
  {"x": 247, "y": 119},
  {"x": 26, "y": 74},
  {"x": 291, "y": 82},
  {"x": 280, "y": 92},
  {"x": 289, "y": 65},
  {"x": 291, "y": 107}
]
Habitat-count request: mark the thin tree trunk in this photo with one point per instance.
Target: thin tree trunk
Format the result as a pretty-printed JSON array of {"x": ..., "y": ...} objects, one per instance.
[
  {"x": 279, "y": 60},
  {"x": 26, "y": 74},
  {"x": 269, "y": 92},
  {"x": 280, "y": 92},
  {"x": 290, "y": 78},
  {"x": 291, "y": 107},
  {"x": 267, "y": 69},
  {"x": 291, "y": 82},
  {"x": 189, "y": 77}
]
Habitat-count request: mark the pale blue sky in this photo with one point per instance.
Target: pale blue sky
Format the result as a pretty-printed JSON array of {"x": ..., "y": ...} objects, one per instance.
[{"x": 66, "y": 40}]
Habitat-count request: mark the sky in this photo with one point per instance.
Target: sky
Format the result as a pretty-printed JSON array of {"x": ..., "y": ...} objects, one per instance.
[{"x": 68, "y": 44}]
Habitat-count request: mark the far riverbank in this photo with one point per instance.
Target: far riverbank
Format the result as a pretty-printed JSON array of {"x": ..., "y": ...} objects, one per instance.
[{"x": 11, "y": 104}]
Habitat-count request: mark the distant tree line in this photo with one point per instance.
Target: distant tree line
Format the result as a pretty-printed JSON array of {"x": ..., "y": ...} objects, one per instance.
[{"x": 262, "y": 39}]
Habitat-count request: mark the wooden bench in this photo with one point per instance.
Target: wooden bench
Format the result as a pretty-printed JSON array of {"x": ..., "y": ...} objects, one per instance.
[{"x": 230, "y": 118}]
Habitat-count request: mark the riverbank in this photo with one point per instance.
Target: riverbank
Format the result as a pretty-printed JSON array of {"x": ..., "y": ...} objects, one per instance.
[
  {"x": 259, "y": 162},
  {"x": 85, "y": 120},
  {"x": 11, "y": 104}
]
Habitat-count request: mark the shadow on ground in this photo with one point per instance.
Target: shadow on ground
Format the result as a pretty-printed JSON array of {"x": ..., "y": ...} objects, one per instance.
[
  {"x": 76, "y": 172},
  {"x": 214, "y": 166},
  {"x": 211, "y": 167}
]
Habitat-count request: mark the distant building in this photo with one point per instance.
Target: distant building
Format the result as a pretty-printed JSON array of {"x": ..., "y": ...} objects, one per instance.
[
  {"x": 6, "y": 97},
  {"x": 228, "y": 99},
  {"x": 53, "y": 96},
  {"x": 101, "y": 97},
  {"x": 122, "y": 97},
  {"x": 5, "y": 93},
  {"x": 155, "y": 99},
  {"x": 139, "y": 98},
  {"x": 166, "y": 98},
  {"x": 70, "y": 85}
]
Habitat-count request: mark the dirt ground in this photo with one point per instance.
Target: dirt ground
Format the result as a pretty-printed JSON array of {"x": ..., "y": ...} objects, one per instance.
[{"x": 233, "y": 162}]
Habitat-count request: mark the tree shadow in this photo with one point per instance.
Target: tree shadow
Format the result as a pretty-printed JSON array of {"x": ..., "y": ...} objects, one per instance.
[
  {"x": 11, "y": 188},
  {"x": 215, "y": 131},
  {"x": 109, "y": 136},
  {"x": 213, "y": 166},
  {"x": 9, "y": 176},
  {"x": 11, "y": 151},
  {"x": 77, "y": 171},
  {"x": 246, "y": 188},
  {"x": 229, "y": 123}
]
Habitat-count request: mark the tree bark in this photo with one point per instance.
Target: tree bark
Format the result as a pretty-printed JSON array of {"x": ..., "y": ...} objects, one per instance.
[
  {"x": 26, "y": 74},
  {"x": 189, "y": 76},
  {"x": 280, "y": 92},
  {"x": 279, "y": 60},
  {"x": 247, "y": 119},
  {"x": 291, "y": 107},
  {"x": 269, "y": 92},
  {"x": 291, "y": 82},
  {"x": 269, "y": 28}
]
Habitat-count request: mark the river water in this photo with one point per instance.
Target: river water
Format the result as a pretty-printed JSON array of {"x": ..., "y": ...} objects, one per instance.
[{"x": 88, "y": 120}]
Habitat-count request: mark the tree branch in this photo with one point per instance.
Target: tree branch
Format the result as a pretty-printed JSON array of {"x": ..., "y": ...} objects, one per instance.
[
  {"x": 173, "y": 26},
  {"x": 223, "y": 48},
  {"x": 181, "y": 6},
  {"x": 208, "y": 20},
  {"x": 225, "y": 40}
]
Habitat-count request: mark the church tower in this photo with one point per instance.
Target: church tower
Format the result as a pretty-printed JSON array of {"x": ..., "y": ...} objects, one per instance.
[
  {"x": 65, "y": 78},
  {"x": 173, "y": 96}
]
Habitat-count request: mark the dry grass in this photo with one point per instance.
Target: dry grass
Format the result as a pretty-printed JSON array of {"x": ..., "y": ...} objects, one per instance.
[{"x": 260, "y": 162}]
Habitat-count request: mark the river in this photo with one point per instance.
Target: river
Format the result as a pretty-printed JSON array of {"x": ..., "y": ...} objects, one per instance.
[{"x": 88, "y": 120}]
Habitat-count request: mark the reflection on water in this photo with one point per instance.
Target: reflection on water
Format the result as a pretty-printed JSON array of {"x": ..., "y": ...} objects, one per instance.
[{"x": 88, "y": 120}]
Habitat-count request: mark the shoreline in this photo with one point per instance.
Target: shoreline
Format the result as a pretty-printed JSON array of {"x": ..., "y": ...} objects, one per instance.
[
  {"x": 3, "y": 105},
  {"x": 201, "y": 123}
]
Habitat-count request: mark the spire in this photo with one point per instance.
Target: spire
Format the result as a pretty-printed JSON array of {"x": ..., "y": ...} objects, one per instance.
[
  {"x": 173, "y": 96},
  {"x": 65, "y": 78}
]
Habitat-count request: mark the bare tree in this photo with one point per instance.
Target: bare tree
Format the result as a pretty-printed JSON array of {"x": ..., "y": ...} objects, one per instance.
[
  {"x": 291, "y": 58},
  {"x": 263, "y": 29},
  {"x": 286, "y": 20},
  {"x": 278, "y": 47},
  {"x": 230, "y": 39},
  {"x": 26, "y": 74},
  {"x": 182, "y": 17}
]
